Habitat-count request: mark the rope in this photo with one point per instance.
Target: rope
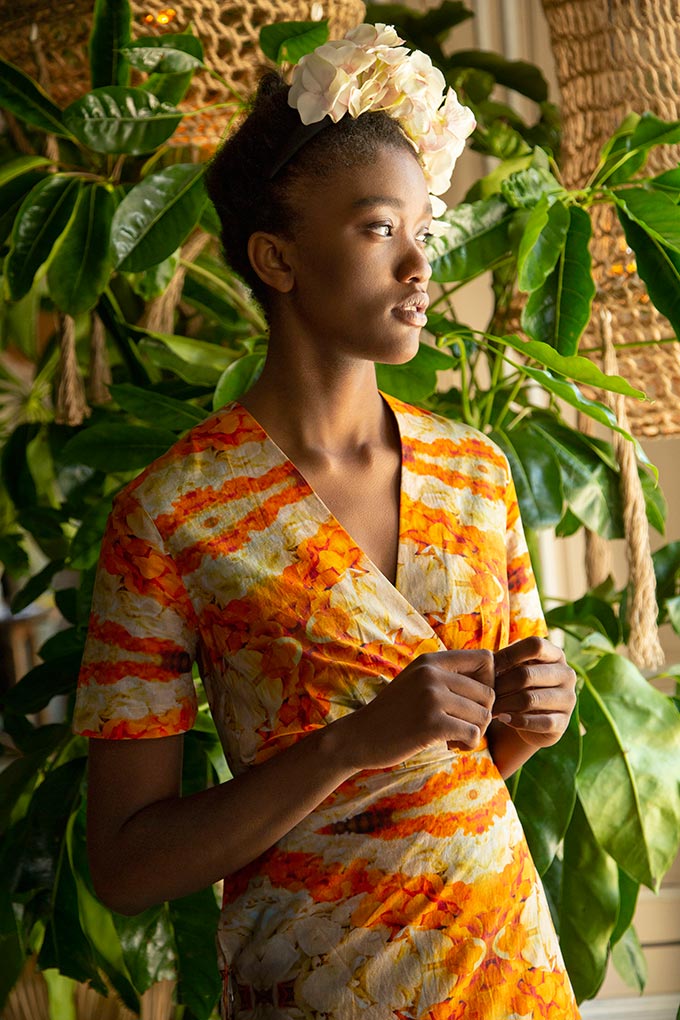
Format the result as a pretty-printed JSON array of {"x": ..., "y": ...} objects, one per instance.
[
  {"x": 100, "y": 370},
  {"x": 643, "y": 643},
  {"x": 160, "y": 315},
  {"x": 71, "y": 406}
]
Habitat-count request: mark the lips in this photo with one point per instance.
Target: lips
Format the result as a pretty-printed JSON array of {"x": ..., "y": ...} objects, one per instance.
[{"x": 412, "y": 309}]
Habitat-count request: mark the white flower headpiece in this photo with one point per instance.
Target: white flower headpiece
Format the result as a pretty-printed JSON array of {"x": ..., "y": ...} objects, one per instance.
[{"x": 369, "y": 70}]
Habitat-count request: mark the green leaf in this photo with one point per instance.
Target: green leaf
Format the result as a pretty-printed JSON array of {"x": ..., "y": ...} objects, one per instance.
[
  {"x": 36, "y": 688},
  {"x": 542, "y": 243},
  {"x": 544, "y": 794},
  {"x": 290, "y": 40},
  {"x": 629, "y": 780},
  {"x": 195, "y": 361},
  {"x": 40, "y": 222},
  {"x": 157, "y": 408},
  {"x": 15, "y": 778},
  {"x": 156, "y": 54},
  {"x": 194, "y": 919},
  {"x": 36, "y": 586},
  {"x": 116, "y": 446},
  {"x": 658, "y": 266},
  {"x": 157, "y": 215},
  {"x": 237, "y": 378},
  {"x": 81, "y": 267},
  {"x": 655, "y": 212},
  {"x": 23, "y": 166},
  {"x": 588, "y": 611},
  {"x": 668, "y": 182},
  {"x": 16, "y": 473},
  {"x": 491, "y": 184},
  {"x": 110, "y": 32},
  {"x": 667, "y": 569},
  {"x": 416, "y": 380},
  {"x": 629, "y": 960},
  {"x": 86, "y": 542},
  {"x": 656, "y": 506},
  {"x": 536, "y": 474},
  {"x": 154, "y": 281},
  {"x": 588, "y": 906},
  {"x": 17, "y": 179},
  {"x": 147, "y": 943},
  {"x": 121, "y": 120},
  {"x": 652, "y": 130},
  {"x": 519, "y": 75},
  {"x": 672, "y": 608},
  {"x": 628, "y": 897},
  {"x": 524, "y": 188},
  {"x": 477, "y": 238},
  {"x": 574, "y": 366},
  {"x": 558, "y": 311},
  {"x": 23, "y": 97},
  {"x": 591, "y": 488}
]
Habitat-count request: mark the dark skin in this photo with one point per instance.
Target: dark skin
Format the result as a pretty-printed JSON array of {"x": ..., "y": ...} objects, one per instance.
[{"x": 357, "y": 254}]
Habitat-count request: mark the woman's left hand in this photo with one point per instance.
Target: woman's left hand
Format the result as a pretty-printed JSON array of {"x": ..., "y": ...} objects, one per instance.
[{"x": 535, "y": 690}]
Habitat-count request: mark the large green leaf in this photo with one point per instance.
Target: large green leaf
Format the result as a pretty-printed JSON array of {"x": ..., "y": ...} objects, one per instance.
[
  {"x": 629, "y": 960},
  {"x": 629, "y": 780},
  {"x": 519, "y": 75},
  {"x": 544, "y": 792},
  {"x": 157, "y": 408},
  {"x": 590, "y": 487},
  {"x": 81, "y": 266},
  {"x": 110, "y": 32},
  {"x": 165, "y": 54},
  {"x": 628, "y": 897},
  {"x": 23, "y": 97},
  {"x": 237, "y": 378},
  {"x": 652, "y": 130},
  {"x": 16, "y": 473},
  {"x": 195, "y": 361},
  {"x": 86, "y": 542},
  {"x": 40, "y": 222},
  {"x": 524, "y": 188},
  {"x": 558, "y": 311},
  {"x": 588, "y": 905},
  {"x": 476, "y": 239},
  {"x": 194, "y": 919},
  {"x": 542, "y": 243},
  {"x": 17, "y": 178},
  {"x": 36, "y": 688},
  {"x": 417, "y": 379},
  {"x": 290, "y": 40},
  {"x": 658, "y": 266},
  {"x": 536, "y": 475},
  {"x": 589, "y": 611},
  {"x": 656, "y": 213},
  {"x": 667, "y": 182},
  {"x": 36, "y": 586},
  {"x": 626, "y": 151},
  {"x": 157, "y": 215},
  {"x": 116, "y": 446},
  {"x": 147, "y": 943},
  {"x": 121, "y": 120}
]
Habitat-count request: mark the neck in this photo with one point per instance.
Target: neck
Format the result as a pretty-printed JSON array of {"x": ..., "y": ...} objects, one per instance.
[{"x": 315, "y": 403}]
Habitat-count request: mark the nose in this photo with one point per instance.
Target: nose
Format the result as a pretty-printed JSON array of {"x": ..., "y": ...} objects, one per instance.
[{"x": 414, "y": 266}]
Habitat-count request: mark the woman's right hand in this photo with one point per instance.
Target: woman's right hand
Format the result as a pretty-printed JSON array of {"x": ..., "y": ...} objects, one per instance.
[{"x": 440, "y": 696}]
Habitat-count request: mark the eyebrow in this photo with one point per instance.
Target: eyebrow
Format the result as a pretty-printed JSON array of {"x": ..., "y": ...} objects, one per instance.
[{"x": 372, "y": 200}]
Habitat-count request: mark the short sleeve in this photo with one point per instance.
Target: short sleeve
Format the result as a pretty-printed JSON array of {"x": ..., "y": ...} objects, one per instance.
[
  {"x": 526, "y": 614},
  {"x": 136, "y": 675}
]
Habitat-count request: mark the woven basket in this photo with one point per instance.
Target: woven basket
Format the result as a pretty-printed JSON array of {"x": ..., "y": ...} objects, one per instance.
[
  {"x": 49, "y": 42},
  {"x": 613, "y": 57}
]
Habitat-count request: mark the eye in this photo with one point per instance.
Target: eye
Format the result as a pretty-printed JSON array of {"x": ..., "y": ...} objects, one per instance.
[
  {"x": 384, "y": 229},
  {"x": 424, "y": 235}
]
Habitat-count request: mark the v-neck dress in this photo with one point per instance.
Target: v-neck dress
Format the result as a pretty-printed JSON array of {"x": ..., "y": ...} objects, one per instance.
[{"x": 410, "y": 891}]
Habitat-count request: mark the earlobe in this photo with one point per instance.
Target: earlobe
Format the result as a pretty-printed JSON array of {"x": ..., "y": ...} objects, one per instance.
[{"x": 267, "y": 256}]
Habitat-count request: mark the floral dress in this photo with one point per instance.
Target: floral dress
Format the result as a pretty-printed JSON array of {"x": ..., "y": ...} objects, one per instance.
[{"x": 409, "y": 892}]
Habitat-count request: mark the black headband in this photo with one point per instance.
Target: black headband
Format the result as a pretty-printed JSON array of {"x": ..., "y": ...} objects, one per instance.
[{"x": 300, "y": 135}]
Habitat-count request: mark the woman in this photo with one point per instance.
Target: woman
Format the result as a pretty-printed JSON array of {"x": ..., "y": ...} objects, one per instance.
[{"x": 351, "y": 575}]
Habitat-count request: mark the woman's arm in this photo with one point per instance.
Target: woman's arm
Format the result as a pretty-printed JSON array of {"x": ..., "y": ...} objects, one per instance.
[{"x": 148, "y": 844}]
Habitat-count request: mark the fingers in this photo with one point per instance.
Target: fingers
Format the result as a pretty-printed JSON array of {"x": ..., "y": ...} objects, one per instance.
[
  {"x": 521, "y": 706},
  {"x": 531, "y": 649},
  {"x": 477, "y": 663}
]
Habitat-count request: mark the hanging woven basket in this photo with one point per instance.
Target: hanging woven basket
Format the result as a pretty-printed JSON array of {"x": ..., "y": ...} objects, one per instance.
[
  {"x": 50, "y": 41},
  {"x": 613, "y": 57}
]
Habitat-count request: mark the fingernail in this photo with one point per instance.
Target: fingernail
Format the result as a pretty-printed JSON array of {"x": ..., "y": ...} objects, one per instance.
[{"x": 504, "y": 718}]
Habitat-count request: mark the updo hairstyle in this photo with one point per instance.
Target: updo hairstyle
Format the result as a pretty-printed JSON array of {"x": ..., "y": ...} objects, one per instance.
[{"x": 238, "y": 182}]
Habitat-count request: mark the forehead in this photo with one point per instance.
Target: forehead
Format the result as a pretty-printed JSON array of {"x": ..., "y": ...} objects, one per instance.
[{"x": 393, "y": 178}]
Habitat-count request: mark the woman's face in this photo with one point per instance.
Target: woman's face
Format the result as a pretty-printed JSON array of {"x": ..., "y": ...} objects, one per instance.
[{"x": 358, "y": 257}]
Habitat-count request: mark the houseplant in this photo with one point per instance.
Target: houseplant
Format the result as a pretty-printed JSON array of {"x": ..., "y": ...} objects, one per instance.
[{"x": 103, "y": 226}]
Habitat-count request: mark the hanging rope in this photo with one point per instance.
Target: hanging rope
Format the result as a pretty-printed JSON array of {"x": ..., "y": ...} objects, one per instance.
[
  {"x": 71, "y": 407},
  {"x": 643, "y": 643},
  {"x": 160, "y": 315},
  {"x": 100, "y": 370}
]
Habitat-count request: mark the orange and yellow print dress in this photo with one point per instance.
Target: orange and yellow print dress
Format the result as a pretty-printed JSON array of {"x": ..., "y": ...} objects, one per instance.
[{"x": 409, "y": 892}]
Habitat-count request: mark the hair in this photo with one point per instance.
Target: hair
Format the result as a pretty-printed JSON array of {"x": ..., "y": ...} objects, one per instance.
[{"x": 238, "y": 183}]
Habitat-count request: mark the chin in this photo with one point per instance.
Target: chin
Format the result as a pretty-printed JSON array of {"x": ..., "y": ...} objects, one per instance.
[{"x": 400, "y": 353}]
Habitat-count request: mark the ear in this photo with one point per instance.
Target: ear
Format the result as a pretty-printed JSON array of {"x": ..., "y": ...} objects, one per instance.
[{"x": 268, "y": 257}]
